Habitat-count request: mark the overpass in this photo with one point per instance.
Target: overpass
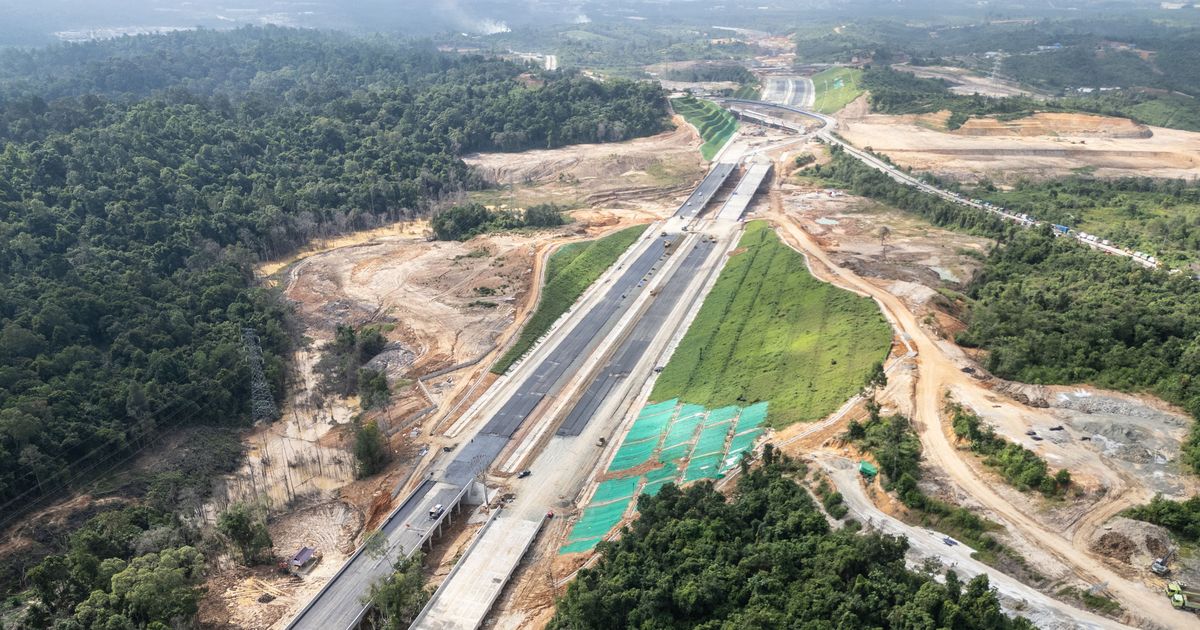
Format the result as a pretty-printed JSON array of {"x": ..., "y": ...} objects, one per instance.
[{"x": 735, "y": 207}]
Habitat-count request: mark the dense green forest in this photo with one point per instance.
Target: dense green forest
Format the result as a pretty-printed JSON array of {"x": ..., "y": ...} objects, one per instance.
[
  {"x": 142, "y": 177},
  {"x": 622, "y": 47},
  {"x": 463, "y": 222},
  {"x": 1157, "y": 216},
  {"x": 767, "y": 558},
  {"x": 1182, "y": 518},
  {"x": 711, "y": 72},
  {"x": 1051, "y": 311},
  {"x": 1082, "y": 51}
]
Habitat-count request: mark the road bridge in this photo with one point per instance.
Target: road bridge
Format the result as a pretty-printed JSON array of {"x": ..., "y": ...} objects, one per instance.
[
  {"x": 471, "y": 588},
  {"x": 735, "y": 207}
]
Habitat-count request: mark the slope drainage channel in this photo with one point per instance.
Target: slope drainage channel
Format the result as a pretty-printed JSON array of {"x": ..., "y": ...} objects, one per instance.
[{"x": 669, "y": 442}]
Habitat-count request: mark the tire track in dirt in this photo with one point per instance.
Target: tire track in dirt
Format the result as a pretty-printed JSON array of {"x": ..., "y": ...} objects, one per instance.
[{"x": 935, "y": 373}]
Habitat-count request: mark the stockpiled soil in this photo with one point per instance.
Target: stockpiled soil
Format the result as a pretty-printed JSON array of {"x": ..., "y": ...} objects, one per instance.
[{"x": 770, "y": 331}]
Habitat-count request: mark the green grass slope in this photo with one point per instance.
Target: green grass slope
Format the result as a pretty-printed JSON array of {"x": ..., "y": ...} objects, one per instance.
[
  {"x": 571, "y": 270},
  {"x": 835, "y": 88},
  {"x": 770, "y": 331},
  {"x": 716, "y": 125}
]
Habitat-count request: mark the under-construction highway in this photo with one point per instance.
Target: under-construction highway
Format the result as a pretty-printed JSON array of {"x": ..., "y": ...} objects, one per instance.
[{"x": 571, "y": 377}]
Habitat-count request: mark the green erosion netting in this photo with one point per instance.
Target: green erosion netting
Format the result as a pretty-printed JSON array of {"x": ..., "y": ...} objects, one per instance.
[
  {"x": 679, "y": 451},
  {"x": 580, "y": 546},
  {"x": 614, "y": 489},
  {"x": 598, "y": 521},
  {"x": 743, "y": 442},
  {"x": 666, "y": 473},
  {"x": 712, "y": 440},
  {"x": 717, "y": 416},
  {"x": 657, "y": 408},
  {"x": 687, "y": 429},
  {"x": 752, "y": 416},
  {"x": 689, "y": 410},
  {"x": 682, "y": 431},
  {"x": 702, "y": 468},
  {"x": 656, "y": 479},
  {"x": 653, "y": 488},
  {"x": 631, "y": 455},
  {"x": 648, "y": 426}
]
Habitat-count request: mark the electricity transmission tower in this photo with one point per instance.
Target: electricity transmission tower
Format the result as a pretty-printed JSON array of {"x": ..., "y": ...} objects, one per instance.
[{"x": 262, "y": 404}]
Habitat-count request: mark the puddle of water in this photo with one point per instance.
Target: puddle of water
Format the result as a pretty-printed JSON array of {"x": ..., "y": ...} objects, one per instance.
[
  {"x": 827, "y": 221},
  {"x": 945, "y": 274}
]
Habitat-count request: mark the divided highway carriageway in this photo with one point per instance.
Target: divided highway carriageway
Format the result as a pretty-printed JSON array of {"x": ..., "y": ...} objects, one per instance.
[{"x": 339, "y": 604}]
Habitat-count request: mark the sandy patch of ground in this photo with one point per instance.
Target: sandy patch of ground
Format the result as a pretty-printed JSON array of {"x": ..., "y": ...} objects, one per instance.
[
  {"x": 241, "y": 597},
  {"x": 620, "y": 175},
  {"x": 1038, "y": 147},
  {"x": 965, "y": 81},
  {"x": 444, "y": 304},
  {"x": 881, "y": 242}
]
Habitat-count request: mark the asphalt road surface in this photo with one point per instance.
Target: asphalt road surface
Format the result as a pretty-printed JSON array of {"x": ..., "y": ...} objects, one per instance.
[
  {"x": 557, "y": 365},
  {"x": 339, "y": 604},
  {"x": 631, "y": 350},
  {"x": 705, "y": 191}
]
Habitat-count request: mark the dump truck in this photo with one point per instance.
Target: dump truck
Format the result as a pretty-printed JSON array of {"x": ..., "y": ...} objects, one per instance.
[
  {"x": 1182, "y": 597},
  {"x": 867, "y": 469}
]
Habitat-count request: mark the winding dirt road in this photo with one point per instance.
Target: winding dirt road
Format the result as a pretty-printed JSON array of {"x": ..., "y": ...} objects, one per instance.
[{"x": 936, "y": 373}]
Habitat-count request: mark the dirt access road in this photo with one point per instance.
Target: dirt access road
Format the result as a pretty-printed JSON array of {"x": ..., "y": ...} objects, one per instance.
[
  {"x": 1019, "y": 598},
  {"x": 937, "y": 372}
]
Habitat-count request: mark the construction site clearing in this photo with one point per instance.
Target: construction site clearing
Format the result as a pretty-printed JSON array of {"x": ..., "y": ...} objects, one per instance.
[
  {"x": 1119, "y": 448},
  {"x": 1035, "y": 147},
  {"x": 427, "y": 294}
]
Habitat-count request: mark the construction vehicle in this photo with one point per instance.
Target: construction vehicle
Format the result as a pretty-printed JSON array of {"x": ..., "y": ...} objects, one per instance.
[
  {"x": 1162, "y": 566},
  {"x": 1183, "y": 598}
]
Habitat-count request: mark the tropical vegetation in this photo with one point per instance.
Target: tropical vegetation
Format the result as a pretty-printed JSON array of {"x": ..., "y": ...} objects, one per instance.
[
  {"x": 766, "y": 558},
  {"x": 769, "y": 331},
  {"x": 142, "y": 178}
]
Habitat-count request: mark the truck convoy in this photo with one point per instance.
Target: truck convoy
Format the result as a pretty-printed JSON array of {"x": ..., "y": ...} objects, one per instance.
[{"x": 1183, "y": 598}]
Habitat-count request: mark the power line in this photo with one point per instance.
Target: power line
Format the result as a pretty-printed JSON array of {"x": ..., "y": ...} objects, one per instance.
[{"x": 177, "y": 416}]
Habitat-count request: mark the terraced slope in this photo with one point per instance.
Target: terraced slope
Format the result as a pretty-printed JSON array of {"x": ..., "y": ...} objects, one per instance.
[{"x": 716, "y": 125}]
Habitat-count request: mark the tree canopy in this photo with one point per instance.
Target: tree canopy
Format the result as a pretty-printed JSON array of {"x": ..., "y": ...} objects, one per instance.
[
  {"x": 765, "y": 559},
  {"x": 141, "y": 178}
]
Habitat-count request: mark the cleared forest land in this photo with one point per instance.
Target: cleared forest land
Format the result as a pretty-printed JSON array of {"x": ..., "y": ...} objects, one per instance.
[
  {"x": 715, "y": 124},
  {"x": 571, "y": 270},
  {"x": 769, "y": 331}
]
